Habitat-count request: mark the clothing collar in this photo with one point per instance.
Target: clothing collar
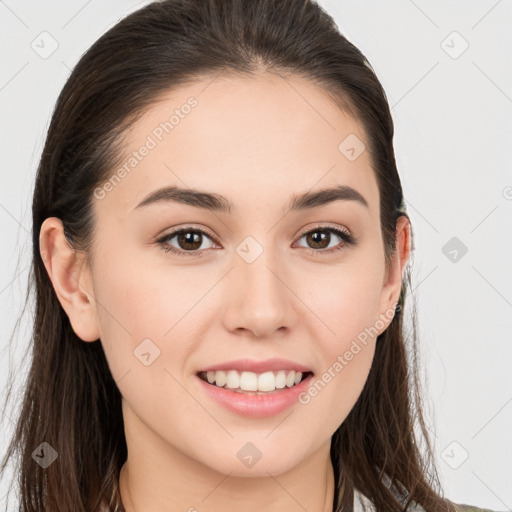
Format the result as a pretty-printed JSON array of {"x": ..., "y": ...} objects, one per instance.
[{"x": 363, "y": 504}]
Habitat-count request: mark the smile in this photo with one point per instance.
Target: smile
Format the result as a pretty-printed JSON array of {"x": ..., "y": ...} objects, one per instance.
[{"x": 251, "y": 382}]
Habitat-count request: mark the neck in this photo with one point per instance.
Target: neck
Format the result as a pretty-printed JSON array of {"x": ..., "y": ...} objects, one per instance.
[{"x": 158, "y": 477}]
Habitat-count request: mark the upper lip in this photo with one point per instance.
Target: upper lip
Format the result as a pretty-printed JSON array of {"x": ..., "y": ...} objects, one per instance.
[{"x": 250, "y": 365}]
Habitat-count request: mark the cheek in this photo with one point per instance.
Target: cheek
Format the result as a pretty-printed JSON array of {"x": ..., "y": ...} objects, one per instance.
[
  {"x": 345, "y": 299},
  {"x": 146, "y": 333},
  {"x": 142, "y": 298},
  {"x": 139, "y": 312},
  {"x": 346, "y": 359},
  {"x": 346, "y": 302}
]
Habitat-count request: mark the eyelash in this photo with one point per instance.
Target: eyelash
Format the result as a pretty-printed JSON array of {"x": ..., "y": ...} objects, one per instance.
[{"x": 347, "y": 238}]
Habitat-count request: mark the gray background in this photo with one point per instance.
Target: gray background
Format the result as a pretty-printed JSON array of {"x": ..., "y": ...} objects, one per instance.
[{"x": 452, "y": 108}]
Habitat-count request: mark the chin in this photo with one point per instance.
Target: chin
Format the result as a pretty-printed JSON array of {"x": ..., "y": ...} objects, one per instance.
[{"x": 260, "y": 465}]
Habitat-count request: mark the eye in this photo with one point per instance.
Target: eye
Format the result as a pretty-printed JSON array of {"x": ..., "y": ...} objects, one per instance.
[
  {"x": 321, "y": 236},
  {"x": 189, "y": 241}
]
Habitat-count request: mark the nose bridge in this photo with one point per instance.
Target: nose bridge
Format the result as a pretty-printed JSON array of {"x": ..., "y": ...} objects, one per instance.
[{"x": 261, "y": 302}]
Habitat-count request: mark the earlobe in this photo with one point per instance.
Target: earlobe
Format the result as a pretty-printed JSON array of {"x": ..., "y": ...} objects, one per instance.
[{"x": 70, "y": 277}]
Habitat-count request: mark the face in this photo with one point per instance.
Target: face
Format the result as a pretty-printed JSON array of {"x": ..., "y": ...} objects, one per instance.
[{"x": 258, "y": 280}]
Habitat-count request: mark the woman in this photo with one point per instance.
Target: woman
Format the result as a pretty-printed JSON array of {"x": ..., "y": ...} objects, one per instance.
[{"x": 220, "y": 251}]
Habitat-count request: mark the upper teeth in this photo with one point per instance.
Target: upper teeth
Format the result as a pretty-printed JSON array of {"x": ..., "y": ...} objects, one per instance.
[{"x": 249, "y": 381}]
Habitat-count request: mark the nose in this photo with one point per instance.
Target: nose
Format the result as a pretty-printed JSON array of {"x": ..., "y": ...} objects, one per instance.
[{"x": 259, "y": 298}]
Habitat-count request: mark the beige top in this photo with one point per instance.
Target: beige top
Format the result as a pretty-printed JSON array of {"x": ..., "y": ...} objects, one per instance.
[{"x": 363, "y": 504}]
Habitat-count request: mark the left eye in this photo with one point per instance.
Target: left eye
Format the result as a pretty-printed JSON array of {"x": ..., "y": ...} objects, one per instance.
[{"x": 318, "y": 236}]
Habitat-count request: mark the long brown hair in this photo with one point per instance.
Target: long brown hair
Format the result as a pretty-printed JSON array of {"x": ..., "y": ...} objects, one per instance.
[{"x": 159, "y": 47}]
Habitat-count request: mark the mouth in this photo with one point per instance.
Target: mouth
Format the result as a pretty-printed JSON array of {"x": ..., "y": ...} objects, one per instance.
[{"x": 251, "y": 383}]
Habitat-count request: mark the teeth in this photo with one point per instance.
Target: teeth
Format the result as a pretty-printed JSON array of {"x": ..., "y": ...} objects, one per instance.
[
  {"x": 220, "y": 378},
  {"x": 280, "y": 379},
  {"x": 250, "y": 381},
  {"x": 232, "y": 379},
  {"x": 266, "y": 381}
]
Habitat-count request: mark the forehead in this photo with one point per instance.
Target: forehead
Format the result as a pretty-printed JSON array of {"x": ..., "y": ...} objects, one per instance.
[{"x": 244, "y": 137}]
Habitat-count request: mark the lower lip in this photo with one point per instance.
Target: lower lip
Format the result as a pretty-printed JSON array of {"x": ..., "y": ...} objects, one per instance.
[{"x": 257, "y": 406}]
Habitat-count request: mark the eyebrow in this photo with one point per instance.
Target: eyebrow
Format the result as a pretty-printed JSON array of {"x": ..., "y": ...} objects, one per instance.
[{"x": 218, "y": 203}]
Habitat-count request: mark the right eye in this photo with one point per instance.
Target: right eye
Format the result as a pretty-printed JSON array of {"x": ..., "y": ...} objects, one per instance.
[{"x": 188, "y": 238}]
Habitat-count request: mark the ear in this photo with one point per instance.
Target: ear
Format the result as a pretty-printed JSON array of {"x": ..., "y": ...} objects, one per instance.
[
  {"x": 70, "y": 277},
  {"x": 392, "y": 285}
]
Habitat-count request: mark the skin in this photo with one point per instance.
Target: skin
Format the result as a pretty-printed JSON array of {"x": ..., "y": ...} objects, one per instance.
[{"x": 268, "y": 143}]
